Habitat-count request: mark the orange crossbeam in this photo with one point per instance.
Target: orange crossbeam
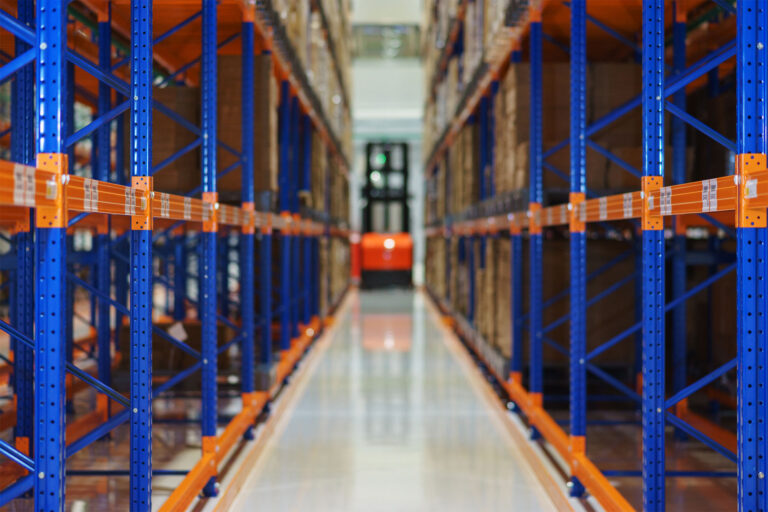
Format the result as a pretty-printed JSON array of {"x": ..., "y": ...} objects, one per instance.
[
  {"x": 23, "y": 186},
  {"x": 715, "y": 197},
  {"x": 599, "y": 486},
  {"x": 253, "y": 404},
  {"x": 183, "y": 496}
]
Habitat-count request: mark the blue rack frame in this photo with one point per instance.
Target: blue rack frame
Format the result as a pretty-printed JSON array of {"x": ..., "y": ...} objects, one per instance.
[
  {"x": 663, "y": 92},
  {"x": 46, "y": 254}
]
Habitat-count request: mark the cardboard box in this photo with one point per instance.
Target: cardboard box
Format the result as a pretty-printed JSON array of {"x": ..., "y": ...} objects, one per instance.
[
  {"x": 183, "y": 174},
  {"x": 265, "y": 146}
]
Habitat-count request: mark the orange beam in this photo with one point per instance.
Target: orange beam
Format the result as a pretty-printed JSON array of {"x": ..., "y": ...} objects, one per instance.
[
  {"x": 253, "y": 404},
  {"x": 183, "y": 496}
]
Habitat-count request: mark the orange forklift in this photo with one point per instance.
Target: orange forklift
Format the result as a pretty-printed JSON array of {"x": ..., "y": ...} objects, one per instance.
[{"x": 386, "y": 243}]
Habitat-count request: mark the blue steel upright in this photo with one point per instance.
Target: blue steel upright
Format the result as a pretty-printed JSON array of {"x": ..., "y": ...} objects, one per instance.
[
  {"x": 285, "y": 211},
  {"x": 295, "y": 240},
  {"x": 101, "y": 173},
  {"x": 578, "y": 239},
  {"x": 247, "y": 239},
  {"x": 49, "y": 440},
  {"x": 535, "y": 198},
  {"x": 307, "y": 239},
  {"x": 751, "y": 288},
  {"x": 209, "y": 237},
  {"x": 179, "y": 241},
  {"x": 23, "y": 297},
  {"x": 653, "y": 260},
  {"x": 141, "y": 258}
]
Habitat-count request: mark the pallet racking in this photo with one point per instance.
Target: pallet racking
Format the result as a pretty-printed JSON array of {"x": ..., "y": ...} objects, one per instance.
[
  {"x": 151, "y": 237},
  {"x": 654, "y": 219}
]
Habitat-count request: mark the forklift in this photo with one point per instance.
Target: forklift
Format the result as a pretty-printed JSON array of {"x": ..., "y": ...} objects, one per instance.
[{"x": 386, "y": 243}]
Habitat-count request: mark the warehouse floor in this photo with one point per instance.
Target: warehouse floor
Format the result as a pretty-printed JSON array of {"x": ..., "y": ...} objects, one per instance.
[{"x": 389, "y": 417}]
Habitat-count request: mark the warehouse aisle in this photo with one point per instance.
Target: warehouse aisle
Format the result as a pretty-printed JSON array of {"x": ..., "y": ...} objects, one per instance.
[{"x": 388, "y": 420}]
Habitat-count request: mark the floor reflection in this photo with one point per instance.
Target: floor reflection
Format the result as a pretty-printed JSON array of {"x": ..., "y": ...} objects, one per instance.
[{"x": 389, "y": 422}]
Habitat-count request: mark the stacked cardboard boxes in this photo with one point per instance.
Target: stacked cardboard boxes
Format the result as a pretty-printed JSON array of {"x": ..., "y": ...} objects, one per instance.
[
  {"x": 169, "y": 137},
  {"x": 486, "y": 277},
  {"x": 265, "y": 146},
  {"x": 609, "y": 85}
]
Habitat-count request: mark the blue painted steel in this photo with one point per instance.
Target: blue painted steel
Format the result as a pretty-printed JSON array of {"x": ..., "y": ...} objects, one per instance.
[
  {"x": 179, "y": 276},
  {"x": 18, "y": 27},
  {"x": 535, "y": 196},
  {"x": 8, "y": 70},
  {"x": 170, "y": 78},
  {"x": 578, "y": 240},
  {"x": 691, "y": 73},
  {"x": 699, "y": 287},
  {"x": 208, "y": 239},
  {"x": 23, "y": 299},
  {"x": 653, "y": 262},
  {"x": 726, "y": 6},
  {"x": 265, "y": 297},
  {"x": 23, "y": 318},
  {"x": 247, "y": 239},
  {"x": 707, "y": 379},
  {"x": 679, "y": 341},
  {"x": 15, "y": 490},
  {"x": 284, "y": 185},
  {"x": 615, "y": 159},
  {"x": 162, "y": 37},
  {"x": 713, "y": 134},
  {"x": 50, "y": 254},
  {"x": 175, "y": 156},
  {"x": 307, "y": 270},
  {"x": 141, "y": 262},
  {"x": 16, "y": 456},
  {"x": 102, "y": 171},
  {"x": 591, "y": 302},
  {"x": 105, "y": 117},
  {"x": 701, "y": 68},
  {"x": 681, "y": 424},
  {"x": 285, "y": 291},
  {"x": 492, "y": 138},
  {"x": 752, "y": 331},
  {"x": 295, "y": 240}
]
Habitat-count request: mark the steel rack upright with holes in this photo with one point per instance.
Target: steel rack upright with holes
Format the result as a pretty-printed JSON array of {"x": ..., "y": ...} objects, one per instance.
[
  {"x": 93, "y": 242},
  {"x": 662, "y": 221}
]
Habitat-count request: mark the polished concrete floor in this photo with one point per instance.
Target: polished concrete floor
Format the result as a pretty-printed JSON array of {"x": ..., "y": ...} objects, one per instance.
[{"x": 387, "y": 421}]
